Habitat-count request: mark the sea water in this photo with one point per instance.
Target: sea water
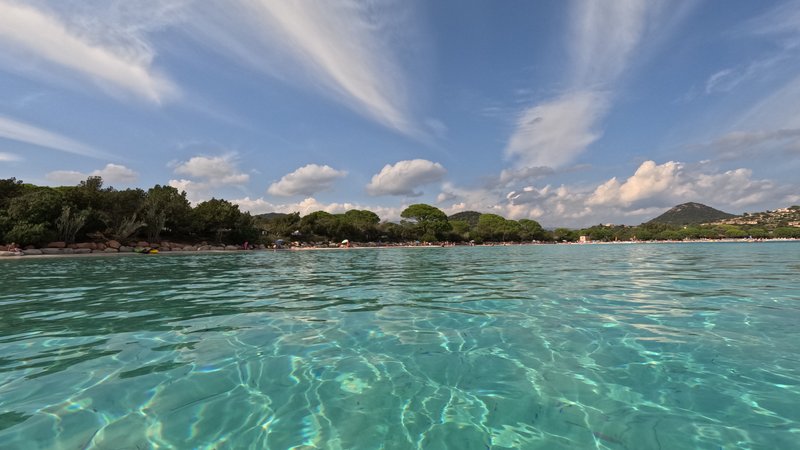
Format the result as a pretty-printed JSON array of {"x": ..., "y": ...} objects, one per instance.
[{"x": 648, "y": 346}]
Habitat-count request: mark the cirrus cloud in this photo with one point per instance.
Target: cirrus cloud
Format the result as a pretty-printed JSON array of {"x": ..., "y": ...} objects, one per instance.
[
  {"x": 306, "y": 180},
  {"x": 403, "y": 177}
]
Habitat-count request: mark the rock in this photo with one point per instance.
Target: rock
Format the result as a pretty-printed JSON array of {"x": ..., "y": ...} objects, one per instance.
[
  {"x": 204, "y": 248},
  {"x": 82, "y": 251},
  {"x": 217, "y": 247},
  {"x": 110, "y": 250},
  {"x": 67, "y": 251},
  {"x": 100, "y": 246},
  {"x": 29, "y": 247},
  {"x": 58, "y": 244},
  {"x": 5, "y": 253},
  {"x": 51, "y": 251},
  {"x": 32, "y": 251},
  {"x": 262, "y": 246},
  {"x": 164, "y": 249},
  {"x": 232, "y": 247},
  {"x": 142, "y": 244},
  {"x": 125, "y": 248},
  {"x": 190, "y": 248},
  {"x": 113, "y": 244},
  {"x": 85, "y": 245}
]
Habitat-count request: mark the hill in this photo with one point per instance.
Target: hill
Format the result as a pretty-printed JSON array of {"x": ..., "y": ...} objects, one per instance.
[
  {"x": 691, "y": 213},
  {"x": 471, "y": 217},
  {"x": 768, "y": 220}
]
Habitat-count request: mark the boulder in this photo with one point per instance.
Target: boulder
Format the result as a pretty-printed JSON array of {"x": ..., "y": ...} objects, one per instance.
[
  {"x": 217, "y": 247},
  {"x": 164, "y": 249},
  {"x": 29, "y": 247},
  {"x": 113, "y": 244},
  {"x": 85, "y": 245},
  {"x": 125, "y": 248},
  {"x": 67, "y": 251},
  {"x": 51, "y": 251},
  {"x": 100, "y": 246},
  {"x": 190, "y": 248},
  {"x": 232, "y": 247},
  {"x": 5, "y": 253},
  {"x": 82, "y": 251},
  {"x": 32, "y": 251},
  {"x": 142, "y": 244},
  {"x": 204, "y": 248},
  {"x": 58, "y": 244},
  {"x": 110, "y": 250}
]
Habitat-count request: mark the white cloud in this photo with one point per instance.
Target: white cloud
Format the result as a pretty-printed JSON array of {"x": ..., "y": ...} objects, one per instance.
[
  {"x": 29, "y": 134},
  {"x": 602, "y": 41},
  {"x": 346, "y": 49},
  {"x": 9, "y": 157},
  {"x": 310, "y": 204},
  {"x": 306, "y": 180},
  {"x": 111, "y": 174},
  {"x": 648, "y": 192},
  {"x": 33, "y": 33},
  {"x": 215, "y": 170},
  {"x": 555, "y": 132},
  {"x": 404, "y": 177},
  {"x": 604, "y": 36},
  {"x": 209, "y": 173}
]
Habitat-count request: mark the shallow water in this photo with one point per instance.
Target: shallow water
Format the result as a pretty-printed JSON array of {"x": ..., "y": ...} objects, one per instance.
[{"x": 667, "y": 346}]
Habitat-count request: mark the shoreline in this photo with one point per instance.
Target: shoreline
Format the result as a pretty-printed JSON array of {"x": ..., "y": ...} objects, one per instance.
[{"x": 101, "y": 254}]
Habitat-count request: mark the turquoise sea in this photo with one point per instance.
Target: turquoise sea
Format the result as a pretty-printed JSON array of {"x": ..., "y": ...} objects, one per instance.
[{"x": 648, "y": 346}]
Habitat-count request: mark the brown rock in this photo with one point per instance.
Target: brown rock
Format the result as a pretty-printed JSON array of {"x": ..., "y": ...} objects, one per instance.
[
  {"x": 84, "y": 245},
  {"x": 32, "y": 251},
  {"x": 125, "y": 248},
  {"x": 110, "y": 250},
  {"x": 100, "y": 246},
  {"x": 113, "y": 244},
  {"x": 58, "y": 244},
  {"x": 82, "y": 251},
  {"x": 51, "y": 251},
  {"x": 142, "y": 244},
  {"x": 67, "y": 251},
  {"x": 232, "y": 247},
  {"x": 189, "y": 248}
]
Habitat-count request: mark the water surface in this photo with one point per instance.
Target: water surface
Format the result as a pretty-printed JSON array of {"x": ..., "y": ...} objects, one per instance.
[{"x": 660, "y": 346}]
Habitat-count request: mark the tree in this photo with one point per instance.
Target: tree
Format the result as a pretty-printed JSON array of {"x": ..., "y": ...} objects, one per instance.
[
  {"x": 531, "y": 230},
  {"x": 69, "y": 223},
  {"x": 165, "y": 209},
  {"x": 361, "y": 224},
  {"x": 214, "y": 218},
  {"x": 9, "y": 188},
  {"x": 428, "y": 222},
  {"x": 42, "y": 205},
  {"x": 491, "y": 227}
]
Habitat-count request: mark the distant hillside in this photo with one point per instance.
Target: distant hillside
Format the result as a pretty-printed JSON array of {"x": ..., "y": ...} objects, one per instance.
[
  {"x": 471, "y": 217},
  {"x": 768, "y": 220},
  {"x": 691, "y": 213},
  {"x": 270, "y": 216}
]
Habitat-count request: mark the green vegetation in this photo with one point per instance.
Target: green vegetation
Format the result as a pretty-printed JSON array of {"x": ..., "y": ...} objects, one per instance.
[
  {"x": 36, "y": 215},
  {"x": 691, "y": 213}
]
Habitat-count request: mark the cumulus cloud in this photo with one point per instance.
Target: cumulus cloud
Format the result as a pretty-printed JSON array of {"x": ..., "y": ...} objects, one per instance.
[
  {"x": 555, "y": 132},
  {"x": 648, "y": 192},
  {"x": 30, "y": 134},
  {"x": 306, "y": 180},
  {"x": 111, "y": 174},
  {"x": 310, "y": 204},
  {"x": 215, "y": 170},
  {"x": 403, "y": 177},
  {"x": 209, "y": 172},
  {"x": 56, "y": 43}
]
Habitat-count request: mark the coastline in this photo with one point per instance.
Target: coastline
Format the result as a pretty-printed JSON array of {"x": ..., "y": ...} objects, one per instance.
[{"x": 101, "y": 254}]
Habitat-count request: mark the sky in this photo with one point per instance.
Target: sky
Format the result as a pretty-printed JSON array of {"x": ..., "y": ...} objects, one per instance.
[{"x": 571, "y": 113}]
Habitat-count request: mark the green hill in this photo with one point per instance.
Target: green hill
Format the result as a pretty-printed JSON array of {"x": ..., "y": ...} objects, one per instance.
[
  {"x": 471, "y": 217},
  {"x": 691, "y": 213}
]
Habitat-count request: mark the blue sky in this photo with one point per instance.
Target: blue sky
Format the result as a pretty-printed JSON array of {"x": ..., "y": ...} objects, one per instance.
[{"x": 568, "y": 112}]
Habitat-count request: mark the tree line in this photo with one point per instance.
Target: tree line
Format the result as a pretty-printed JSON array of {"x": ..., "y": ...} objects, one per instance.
[{"x": 36, "y": 215}]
